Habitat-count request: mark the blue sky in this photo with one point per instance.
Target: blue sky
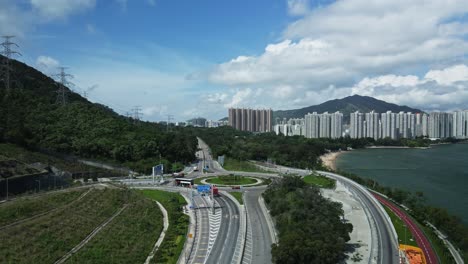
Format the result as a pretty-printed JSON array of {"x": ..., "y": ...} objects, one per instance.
[{"x": 197, "y": 58}]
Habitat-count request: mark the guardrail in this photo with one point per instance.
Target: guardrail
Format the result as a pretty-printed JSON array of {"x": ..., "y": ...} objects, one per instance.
[
  {"x": 271, "y": 225},
  {"x": 244, "y": 237}
]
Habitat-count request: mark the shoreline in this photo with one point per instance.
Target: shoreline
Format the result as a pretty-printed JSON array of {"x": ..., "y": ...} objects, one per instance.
[
  {"x": 395, "y": 147},
  {"x": 329, "y": 159}
]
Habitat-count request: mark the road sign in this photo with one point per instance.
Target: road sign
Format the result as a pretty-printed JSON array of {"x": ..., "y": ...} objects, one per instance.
[
  {"x": 190, "y": 235},
  {"x": 158, "y": 169},
  {"x": 203, "y": 188}
]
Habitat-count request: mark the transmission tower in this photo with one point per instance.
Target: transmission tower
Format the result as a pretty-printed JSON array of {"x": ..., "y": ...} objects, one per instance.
[
  {"x": 8, "y": 52},
  {"x": 62, "y": 83},
  {"x": 137, "y": 113},
  {"x": 169, "y": 118}
]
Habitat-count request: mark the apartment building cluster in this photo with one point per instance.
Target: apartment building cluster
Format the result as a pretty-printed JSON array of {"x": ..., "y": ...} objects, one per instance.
[
  {"x": 325, "y": 125},
  {"x": 378, "y": 125},
  {"x": 408, "y": 125},
  {"x": 253, "y": 120}
]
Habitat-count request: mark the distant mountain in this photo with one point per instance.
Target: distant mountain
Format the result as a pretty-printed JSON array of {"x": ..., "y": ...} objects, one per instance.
[{"x": 345, "y": 105}]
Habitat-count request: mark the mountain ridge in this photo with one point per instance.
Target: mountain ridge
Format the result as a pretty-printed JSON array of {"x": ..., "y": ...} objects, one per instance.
[{"x": 345, "y": 105}]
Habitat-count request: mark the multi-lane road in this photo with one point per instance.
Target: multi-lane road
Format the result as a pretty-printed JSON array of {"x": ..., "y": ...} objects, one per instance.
[
  {"x": 216, "y": 238},
  {"x": 226, "y": 241}
]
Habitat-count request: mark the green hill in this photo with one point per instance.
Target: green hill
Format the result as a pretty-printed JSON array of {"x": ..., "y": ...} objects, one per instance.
[
  {"x": 29, "y": 117},
  {"x": 345, "y": 105}
]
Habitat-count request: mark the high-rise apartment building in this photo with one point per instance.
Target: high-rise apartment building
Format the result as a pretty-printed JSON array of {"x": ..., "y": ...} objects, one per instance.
[{"x": 254, "y": 120}]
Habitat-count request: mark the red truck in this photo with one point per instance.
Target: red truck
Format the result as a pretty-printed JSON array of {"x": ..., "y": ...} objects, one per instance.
[{"x": 215, "y": 191}]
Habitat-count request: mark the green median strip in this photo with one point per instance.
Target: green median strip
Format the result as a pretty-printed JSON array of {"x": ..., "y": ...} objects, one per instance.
[{"x": 238, "y": 196}]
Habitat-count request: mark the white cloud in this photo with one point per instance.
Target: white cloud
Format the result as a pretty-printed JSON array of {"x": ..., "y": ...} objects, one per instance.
[
  {"x": 445, "y": 89},
  {"x": 449, "y": 75},
  {"x": 298, "y": 7},
  {"x": 356, "y": 44},
  {"x": 239, "y": 98},
  {"x": 52, "y": 9},
  {"x": 47, "y": 65}
]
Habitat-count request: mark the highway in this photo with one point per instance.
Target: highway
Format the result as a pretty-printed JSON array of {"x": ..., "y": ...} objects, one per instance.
[
  {"x": 384, "y": 247},
  {"x": 225, "y": 245},
  {"x": 260, "y": 234},
  {"x": 258, "y": 248},
  {"x": 387, "y": 244},
  {"x": 202, "y": 231}
]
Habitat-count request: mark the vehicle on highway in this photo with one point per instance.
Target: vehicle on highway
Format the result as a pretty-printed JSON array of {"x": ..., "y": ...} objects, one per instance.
[
  {"x": 195, "y": 168},
  {"x": 215, "y": 190},
  {"x": 178, "y": 174},
  {"x": 183, "y": 182}
]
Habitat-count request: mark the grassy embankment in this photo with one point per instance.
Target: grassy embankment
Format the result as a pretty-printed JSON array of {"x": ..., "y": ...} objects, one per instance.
[
  {"x": 238, "y": 196},
  {"x": 176, "y": 234},
  {"x": 127, "y": 239},
  {"x": 320, "y": 181},
  {"x": 29, "y": 206},
  {"x": 49, "y": 237},
  {"x": 401, "y": 229},
  {"x": 231, "y": 164}
]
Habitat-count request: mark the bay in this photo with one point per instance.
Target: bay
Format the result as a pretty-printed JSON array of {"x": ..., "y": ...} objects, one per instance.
[{"x": 440, "y": 172}]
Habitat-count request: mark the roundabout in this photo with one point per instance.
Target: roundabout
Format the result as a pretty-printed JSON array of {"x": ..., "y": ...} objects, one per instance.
[{"x": 232, "y": 180}]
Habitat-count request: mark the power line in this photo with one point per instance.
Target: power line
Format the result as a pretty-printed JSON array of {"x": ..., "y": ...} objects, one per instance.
[
  {"x": 169, "y": 118},
  {"x": 137, "y": 113},
  {"x": 8, "y": 52},
  {"x": 63, "y": 83}
]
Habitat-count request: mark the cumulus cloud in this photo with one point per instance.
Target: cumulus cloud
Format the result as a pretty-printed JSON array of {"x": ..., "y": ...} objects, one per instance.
[
  {"x": 340, "y": 44},
  {"x": 445, "y": 89},
  {"x": 47, "y": 65},
  {"x": 53, "y": 9}
]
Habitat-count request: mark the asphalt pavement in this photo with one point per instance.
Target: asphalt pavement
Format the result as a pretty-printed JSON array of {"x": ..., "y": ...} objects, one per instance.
[
  {"x": 260, "y": 234},
  {"x": 225, "y": 245},
  {"x": 387, "y": 245}
]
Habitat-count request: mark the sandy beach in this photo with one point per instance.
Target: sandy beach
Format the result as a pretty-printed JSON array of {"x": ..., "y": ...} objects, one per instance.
[{"x": 328, "y": 160}]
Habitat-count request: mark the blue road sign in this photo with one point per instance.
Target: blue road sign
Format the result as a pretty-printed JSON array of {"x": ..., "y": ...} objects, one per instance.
[{"x": 203, "y": 188}]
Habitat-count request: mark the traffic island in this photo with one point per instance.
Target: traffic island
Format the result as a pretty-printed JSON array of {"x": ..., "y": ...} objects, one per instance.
[{"x": 232, "y": 180}]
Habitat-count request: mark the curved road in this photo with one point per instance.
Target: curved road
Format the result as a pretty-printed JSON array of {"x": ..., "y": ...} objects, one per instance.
[
  {"x": 225, "y": 245},
  {"x": 387, "y": 247}
]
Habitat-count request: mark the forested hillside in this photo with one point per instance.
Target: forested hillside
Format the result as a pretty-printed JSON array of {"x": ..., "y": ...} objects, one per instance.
[
  {"x": 309, "y": 225},
  {"x": 30, "y": 117}
]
